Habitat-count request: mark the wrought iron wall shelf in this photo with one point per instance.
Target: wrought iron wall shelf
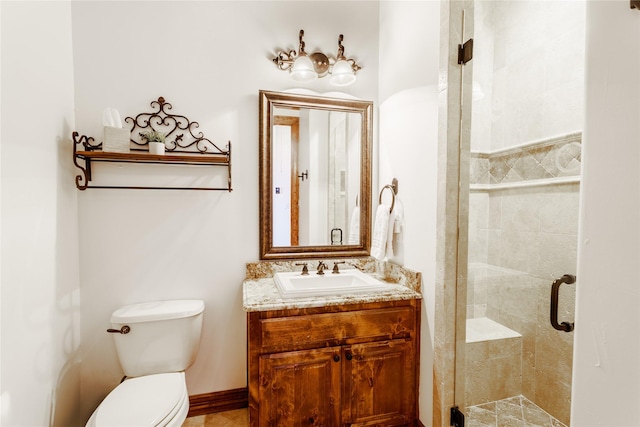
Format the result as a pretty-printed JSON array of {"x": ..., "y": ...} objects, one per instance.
[{"x": 182, "y": 148}]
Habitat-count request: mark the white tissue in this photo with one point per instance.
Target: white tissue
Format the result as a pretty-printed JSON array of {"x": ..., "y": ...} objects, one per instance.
[
  {"x": 116, "y": 139},
  {"x": 107, "y": 120},
  {"x": 111, "y": 118},
  {"x": 116, "y": 118}
]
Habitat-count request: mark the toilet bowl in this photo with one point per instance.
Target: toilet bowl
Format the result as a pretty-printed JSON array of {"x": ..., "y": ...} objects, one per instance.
[
  {"x": 156, "y": 342},
  {"x": 159, "y": 400}
]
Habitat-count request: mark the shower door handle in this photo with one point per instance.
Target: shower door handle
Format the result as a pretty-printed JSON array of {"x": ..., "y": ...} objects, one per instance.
[{"x": 555, "y": 288}]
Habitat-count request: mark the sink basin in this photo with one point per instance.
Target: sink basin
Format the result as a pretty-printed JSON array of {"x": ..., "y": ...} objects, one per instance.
[{"x": 295, "y": 285}]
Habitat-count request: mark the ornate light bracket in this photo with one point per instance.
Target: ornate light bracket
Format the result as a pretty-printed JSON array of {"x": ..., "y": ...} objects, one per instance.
[
  {"x": 341, "y": 56},
  {"x": 284, "y": 60}
]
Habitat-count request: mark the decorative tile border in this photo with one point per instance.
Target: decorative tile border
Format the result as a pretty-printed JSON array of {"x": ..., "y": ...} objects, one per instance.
[{"x": 551, "y": 160}]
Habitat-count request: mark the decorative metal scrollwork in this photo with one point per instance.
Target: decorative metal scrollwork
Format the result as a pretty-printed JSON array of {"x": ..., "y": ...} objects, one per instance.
[
  {"x": 179, "y": 130},
  {"x": 82, "y": 181},
  {"x": 284, "y": 60},
  {"x": 88, "y": 142}
]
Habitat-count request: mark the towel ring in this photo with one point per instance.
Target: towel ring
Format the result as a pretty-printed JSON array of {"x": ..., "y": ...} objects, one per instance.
[{"x": 393, "y": 196}]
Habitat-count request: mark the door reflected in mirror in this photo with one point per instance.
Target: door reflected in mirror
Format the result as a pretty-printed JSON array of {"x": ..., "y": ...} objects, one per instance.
[{"x": 315, "y": 176}]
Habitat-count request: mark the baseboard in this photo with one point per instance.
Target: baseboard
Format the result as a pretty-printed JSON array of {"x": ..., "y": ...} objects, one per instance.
[
  {"x": 219, "y": 401},
  {"x": 227, "y": 400}
]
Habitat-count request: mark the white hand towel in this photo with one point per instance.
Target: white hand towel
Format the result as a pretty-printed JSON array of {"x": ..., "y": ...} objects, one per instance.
[
  {"x": 380, "y": 232},
  {"x": 354, "y": 227},
  {"x": 390, "y": 231},
  {"x": 398, "y": 210}
]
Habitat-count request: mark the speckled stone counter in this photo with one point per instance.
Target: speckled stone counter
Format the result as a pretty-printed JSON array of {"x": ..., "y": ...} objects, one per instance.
[{"x": 260, "y": 292}]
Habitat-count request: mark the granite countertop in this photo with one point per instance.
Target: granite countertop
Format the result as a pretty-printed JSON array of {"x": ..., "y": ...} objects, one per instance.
[{"x": 260, "y": 292}]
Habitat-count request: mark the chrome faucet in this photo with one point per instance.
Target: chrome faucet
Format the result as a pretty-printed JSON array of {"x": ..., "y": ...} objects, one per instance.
[{"x": 321, "y": 267}]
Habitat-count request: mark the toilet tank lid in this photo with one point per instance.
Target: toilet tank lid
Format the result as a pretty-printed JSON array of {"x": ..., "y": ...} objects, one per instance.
[{"x": 157, "y": 310}]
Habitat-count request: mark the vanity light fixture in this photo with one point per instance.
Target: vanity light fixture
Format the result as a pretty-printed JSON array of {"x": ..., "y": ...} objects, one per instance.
[{"x": 305, "y": 67}]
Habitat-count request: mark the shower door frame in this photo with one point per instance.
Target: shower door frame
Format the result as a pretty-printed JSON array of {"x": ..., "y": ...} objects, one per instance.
[{"x": 454, "y": 144}]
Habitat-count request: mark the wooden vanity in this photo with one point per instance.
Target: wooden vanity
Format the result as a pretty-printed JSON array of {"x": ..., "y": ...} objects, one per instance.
[{"x": 331, "y": 363}]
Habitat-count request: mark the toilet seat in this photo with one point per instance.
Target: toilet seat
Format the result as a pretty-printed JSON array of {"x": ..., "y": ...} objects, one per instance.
[{"x": 159, "y": 400}]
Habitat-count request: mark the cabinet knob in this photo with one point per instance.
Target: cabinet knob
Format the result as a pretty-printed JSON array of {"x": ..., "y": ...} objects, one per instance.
[
  {"x": 349, "y": 356},
  {"x": 336, "y": 358},
  {"x": 311, "y": 420}
]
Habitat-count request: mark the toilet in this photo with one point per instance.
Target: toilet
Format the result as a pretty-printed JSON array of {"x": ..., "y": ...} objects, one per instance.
[{"x": 155, "y": 342}]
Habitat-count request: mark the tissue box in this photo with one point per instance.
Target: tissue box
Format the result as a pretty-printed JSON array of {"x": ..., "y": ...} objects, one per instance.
[{"x": 116, "y": 140}]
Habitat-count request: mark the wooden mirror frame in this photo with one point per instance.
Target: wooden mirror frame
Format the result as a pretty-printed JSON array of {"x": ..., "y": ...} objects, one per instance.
[{"x": 267, "y": 102}]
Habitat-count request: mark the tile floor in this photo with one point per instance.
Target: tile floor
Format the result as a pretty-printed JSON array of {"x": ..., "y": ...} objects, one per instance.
[
  {"x": 512, "y": 412},
  {"x": 235, "y": 418}
]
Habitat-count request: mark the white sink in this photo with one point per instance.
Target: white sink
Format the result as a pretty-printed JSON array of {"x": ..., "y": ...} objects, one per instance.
[{"x": 295, "y": 285}]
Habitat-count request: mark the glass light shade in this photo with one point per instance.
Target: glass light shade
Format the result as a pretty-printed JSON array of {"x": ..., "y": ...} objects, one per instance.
[
  {"x": 302, "y": 69},
  {"x": 342, "y": 74}
]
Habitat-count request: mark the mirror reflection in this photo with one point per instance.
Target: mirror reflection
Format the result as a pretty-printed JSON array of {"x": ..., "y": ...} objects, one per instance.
[
  {"x": 315, "y": 172},
  {"x": 315, "y": 177}
]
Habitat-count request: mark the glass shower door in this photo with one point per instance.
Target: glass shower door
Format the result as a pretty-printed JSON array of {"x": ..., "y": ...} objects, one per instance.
[{"x": 523, "y": 210}]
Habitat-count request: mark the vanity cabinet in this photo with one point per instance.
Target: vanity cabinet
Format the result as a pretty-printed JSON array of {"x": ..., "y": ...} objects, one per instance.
[
  {"x": 348, "y": 365},
  {"x": 300, "y": 386}
]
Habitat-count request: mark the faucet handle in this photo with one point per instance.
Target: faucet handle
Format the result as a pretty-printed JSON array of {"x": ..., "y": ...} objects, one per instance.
[
  {"x": 305, "y": 270},
  {"x": 336, "y": 270},
  {"x": 321, "y": 267},
  {"x": 356, "y": 266}
]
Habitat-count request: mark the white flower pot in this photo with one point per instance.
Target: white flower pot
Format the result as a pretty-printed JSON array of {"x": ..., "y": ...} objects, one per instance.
[{"x": 156, "y": 148}]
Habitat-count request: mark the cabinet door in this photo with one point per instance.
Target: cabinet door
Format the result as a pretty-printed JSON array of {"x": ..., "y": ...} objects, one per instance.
[
  {"x": 380, "y": 384},
  {"x": 300, "y": 388}
]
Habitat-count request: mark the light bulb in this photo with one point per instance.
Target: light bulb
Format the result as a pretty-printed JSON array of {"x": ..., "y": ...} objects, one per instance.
[
  {"x": 342, "y": 73},
  {"x": 302, "y": 69}
]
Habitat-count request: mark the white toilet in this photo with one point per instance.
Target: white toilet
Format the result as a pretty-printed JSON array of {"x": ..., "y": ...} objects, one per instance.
[{"x": 156, "y": 342}]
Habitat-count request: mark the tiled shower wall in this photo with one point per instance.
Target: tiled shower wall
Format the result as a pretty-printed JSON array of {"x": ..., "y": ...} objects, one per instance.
[
  {"x": 528, "y": 71},
  {"x": 521, "y": 238}
]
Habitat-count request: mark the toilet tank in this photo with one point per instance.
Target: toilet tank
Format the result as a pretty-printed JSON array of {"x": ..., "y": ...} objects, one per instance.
[{"x": 163, "y": 336}]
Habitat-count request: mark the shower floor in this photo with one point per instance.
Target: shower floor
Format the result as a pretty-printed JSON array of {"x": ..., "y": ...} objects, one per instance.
[{"x": 512, "y": 412}]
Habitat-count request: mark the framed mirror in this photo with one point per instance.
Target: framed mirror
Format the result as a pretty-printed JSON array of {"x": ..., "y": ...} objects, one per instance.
[{"x": 315, "y": 176}]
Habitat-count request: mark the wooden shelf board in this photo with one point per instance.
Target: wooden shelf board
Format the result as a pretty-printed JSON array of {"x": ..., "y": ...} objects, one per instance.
[{"x": 146, "y": 157}]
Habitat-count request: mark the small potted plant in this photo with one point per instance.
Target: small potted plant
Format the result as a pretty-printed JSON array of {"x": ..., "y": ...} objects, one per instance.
[{"x": 155, "y": 140}]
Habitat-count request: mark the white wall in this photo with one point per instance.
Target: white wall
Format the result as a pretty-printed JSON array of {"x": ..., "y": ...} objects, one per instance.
[
  {"x": 408, "y": 126},
  {"x": 40, "y": 286},
  {"x": 606, "y": 375},
  {"x": 208, "y": 59}
]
